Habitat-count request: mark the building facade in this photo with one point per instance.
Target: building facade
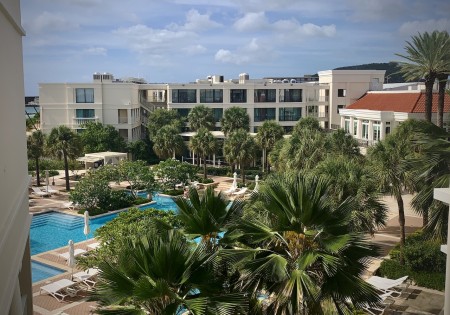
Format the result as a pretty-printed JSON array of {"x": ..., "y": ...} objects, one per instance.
[
  {"x": 126, "y": 105},
  {"x": 377, "y": 114},
  {"x": 15, "y": 271}
]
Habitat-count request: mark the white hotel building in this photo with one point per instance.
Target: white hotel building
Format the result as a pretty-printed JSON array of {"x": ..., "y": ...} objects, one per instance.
[{"x": 125, "y": 104}]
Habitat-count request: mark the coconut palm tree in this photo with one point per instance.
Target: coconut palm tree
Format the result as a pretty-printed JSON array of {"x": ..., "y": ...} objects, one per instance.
[
  {"x": 235, "y": 118},
  {"x": 164, "y": 273},
  {"x": 427, "y": 56},
  {"x": 64, "y": 143},
  {"x": 239, "y": 149},
  {"x": 201, "y": 117},
  {"x": 206, "y": 216},
  {"x": 297, "y": 247},
  {"x": 204, "y": 144},
  {"x": 35, "y": 146},
  {"x": 268, "y": 134},
  {"x": 167, "y": 142}
]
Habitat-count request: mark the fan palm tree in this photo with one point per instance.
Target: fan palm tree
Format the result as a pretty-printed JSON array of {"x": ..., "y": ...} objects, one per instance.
[
  {"x": 427, "y": 56},
  {"x": 204, "y": 144},
  {"x": 239, "y": 149},
  {"x": 201, "y": 117},
  {"x": 35, "y": 146},
  {"x": 206, "y": 216},
  {"x": 298, "y": 248},
  {"x": 235, "y": 118},
  {"x": 268, "y": 134},
  {"x": 167, "y": 142},
  {"x": 64, "y": 143},
  {"x": 163, "y": 273}
]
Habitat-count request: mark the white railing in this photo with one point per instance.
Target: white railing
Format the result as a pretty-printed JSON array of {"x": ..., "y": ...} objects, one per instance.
[{"x": 82, "y": 121}]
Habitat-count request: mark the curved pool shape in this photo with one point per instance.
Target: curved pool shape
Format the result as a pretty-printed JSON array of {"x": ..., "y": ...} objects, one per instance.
[
  {"x": 52, "y": 230},
  {"x": 40, "y": 271}
]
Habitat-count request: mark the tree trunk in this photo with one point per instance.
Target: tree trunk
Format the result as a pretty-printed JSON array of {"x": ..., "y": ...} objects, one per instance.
[
  {"x": 429, "y": 82},
  {"x": 442, "y": 78},
  {"x": 66, "y": 170},
  {"x": 401, "y": 222},
  {"x": 242, "y": 173},
  {"x": 264, "y": 157},
  {"x": 38, "y": 176},
  {"x": 205, "y": 176}
]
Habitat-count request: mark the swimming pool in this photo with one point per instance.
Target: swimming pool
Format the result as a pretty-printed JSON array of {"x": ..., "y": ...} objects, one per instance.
[
  {"x": 52, "y": 230},
  {"x": 40, "y": 271}
]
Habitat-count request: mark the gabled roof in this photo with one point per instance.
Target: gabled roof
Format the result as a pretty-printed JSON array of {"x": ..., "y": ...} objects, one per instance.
[{"x": 398, "y": 102}]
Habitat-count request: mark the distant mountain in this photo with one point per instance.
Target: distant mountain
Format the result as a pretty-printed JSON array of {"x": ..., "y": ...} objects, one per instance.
[{"x": 392, "y": 69}]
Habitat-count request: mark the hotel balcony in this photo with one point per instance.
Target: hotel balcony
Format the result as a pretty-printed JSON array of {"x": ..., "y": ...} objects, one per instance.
[{"x": 79, "y": 121}]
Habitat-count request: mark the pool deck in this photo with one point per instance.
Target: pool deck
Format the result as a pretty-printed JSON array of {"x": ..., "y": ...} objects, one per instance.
[{"x": 419, "y": 301}]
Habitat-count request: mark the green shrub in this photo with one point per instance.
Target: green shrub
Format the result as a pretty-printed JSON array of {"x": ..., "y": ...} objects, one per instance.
[
  {"x": 120, "y": 199},
  {"x": 425, "y": 256},
  {"x": 431, "y": 280},
  {"x": 53, "y": 173},
  {"x": 392, "y": 269},
  {"x": 206, "y": 180},
  {"x": 218, "y": 171},
  {"x": 173, "y": 192},
  {"x": 140, "y": 200}
]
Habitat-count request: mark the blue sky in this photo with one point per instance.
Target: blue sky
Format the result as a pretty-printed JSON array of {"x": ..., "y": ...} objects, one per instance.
[{"x": 182, "y": 40}]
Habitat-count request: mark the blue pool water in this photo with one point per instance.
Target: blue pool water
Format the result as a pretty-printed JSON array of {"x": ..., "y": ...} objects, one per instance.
[
  {"x": 53, "y": 230},
  {"x": 41, "y": 271}
]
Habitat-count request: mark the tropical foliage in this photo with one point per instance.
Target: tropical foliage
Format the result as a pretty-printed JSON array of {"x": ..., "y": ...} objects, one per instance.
[
  {"x": 35, "y": 150},
  {"x": 235, "y": 118},
  {"x": 167, "y": 142},
  {"x": 268, "y": 134},
  {"x": 160, "y": 118},
  {"x": 203, "y": 144},
  {"x": 172, "y": 172},
  {"x": 138, "y": 176},
  {"x": 97, "y": 137},
  {"x": 239, "y": 149},
  {"x": 201, "y": 117}
]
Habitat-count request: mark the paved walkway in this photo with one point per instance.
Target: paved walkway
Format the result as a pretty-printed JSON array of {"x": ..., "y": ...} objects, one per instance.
[{"x": 420, "y": 301}]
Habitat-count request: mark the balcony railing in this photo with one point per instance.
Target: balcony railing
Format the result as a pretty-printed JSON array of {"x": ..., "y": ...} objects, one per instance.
[
  {"x": 82, "y": 120},
  {"x": 317, "y": 114}
]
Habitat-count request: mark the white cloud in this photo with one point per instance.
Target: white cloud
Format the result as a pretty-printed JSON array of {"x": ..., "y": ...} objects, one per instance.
[
  {"x": 251, "y": 22},
  {"x": 413, "y": 27},
  {"x": 197, "y": 22},
  {"x": 194, "y": 49},
  {"x": 49, "y": 22},
  {"x": 253, "y": 52},
  {"x": 293, "y": 27},
  {"x": 101, "y": 51}
]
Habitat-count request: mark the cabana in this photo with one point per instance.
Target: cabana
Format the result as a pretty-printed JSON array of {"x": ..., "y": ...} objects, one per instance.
[{"x": 94, "y": 160}]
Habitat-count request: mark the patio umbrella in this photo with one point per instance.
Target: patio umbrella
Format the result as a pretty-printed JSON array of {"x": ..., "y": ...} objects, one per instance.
[
  {"x": 71, "y": 259},
  {"x": 234, "y": 184},
  {"x": 256, "y": 184},
  {"x": 87, "y": 228}
]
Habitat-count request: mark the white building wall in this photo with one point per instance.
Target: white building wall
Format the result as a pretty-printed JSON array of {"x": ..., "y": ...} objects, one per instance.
[{"x": 15, "y": 274}]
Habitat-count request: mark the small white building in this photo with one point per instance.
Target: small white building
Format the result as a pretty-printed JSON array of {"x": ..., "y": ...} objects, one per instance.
[{"x": 376, "y": 114}]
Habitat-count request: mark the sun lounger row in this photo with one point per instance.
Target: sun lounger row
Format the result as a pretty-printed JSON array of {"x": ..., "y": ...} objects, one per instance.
[
  {"x": 45, "y": 192},
  {"x": 64, "y": 287}
]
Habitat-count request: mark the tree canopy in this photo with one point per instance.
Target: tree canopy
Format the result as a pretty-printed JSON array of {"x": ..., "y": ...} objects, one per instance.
[
  {"x": 201, "y": 117},
  {"x": 235, "y": 118},
  {"x": 97, "y": 137},
  {"x": 159, "y": 118}
]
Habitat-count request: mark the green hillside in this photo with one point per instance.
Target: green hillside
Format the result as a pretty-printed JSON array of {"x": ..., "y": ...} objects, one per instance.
[{"x": 392, "y": 69}]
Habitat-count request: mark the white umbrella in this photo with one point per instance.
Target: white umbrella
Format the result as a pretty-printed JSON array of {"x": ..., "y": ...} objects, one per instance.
[
  {"x": 71, "y": 259},
  {"x": 87, "y": 228},
  {"x": 234, "y": 184},
  {"x": 256, "y": 184}
]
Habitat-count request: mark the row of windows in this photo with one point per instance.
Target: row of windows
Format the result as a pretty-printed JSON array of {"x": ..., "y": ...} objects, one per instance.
[{"x": 236, "y": 95}]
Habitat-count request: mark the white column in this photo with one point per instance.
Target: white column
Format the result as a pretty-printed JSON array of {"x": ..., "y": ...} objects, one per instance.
[
  {"x": 370, "y": 137},
  {"x": 382, "y": 127},
  {"x": 16, "y": 303},
  {"x": 342, "y": 122},
  {"x": 214, "y": 160}
]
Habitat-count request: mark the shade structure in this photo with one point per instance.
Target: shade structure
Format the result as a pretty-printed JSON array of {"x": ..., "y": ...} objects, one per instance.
[
  {"x": 87, "y": 228},
  {"x": 234, "y": 184},
  {"x": 71, "y": 259},
  {"x": 256, "y": 184}
]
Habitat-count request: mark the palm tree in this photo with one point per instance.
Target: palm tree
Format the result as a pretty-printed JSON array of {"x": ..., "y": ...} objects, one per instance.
[
  {"x": 207, "y": 216},
  {"x": 442, "y": 77},
  {"x": 204, "y": 144},
  {"x": 35, "y": 146},
  {"x": 268, "y": 134},
  {"x": 163, "y": 273},
  {"x": 427, "y": 56},
  {"x": 239, "y": 149},
  {"x": 201, "y": 117},
  {"x": 167, "y": 142},
  {"x": 235, "y": 118},
  {"x": 63, "y": 142},
  {"x": 161, "y": 117},
  {"x": 386, "y": 158},
  {"x": 298, "y": 248}
]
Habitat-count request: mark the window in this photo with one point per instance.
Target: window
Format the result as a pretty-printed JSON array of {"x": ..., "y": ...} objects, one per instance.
[
  {"x": 218, "y": 113},
  {"x": 291, "y": 95},
  {"x": 376, "y": 130},
  {"x": 339, "y": 107},
  {"x": 342, "y": 92},
  {"x": 184, "y": 96},
  {"x": 347, "y": 124},
  {"x": 84, "y": 95},
  {"x": 288, "y": 129},
  {"x": 355, "y": 127},
  {"x": 123, "y": 116},
  {"x": 262, "y": 114},
  {"x": 123, "y": 133},
  {"x": 365, "y": 130},
  {"x": 313, "y": 111},
  {"x": 238, "y": 96},
  {"x": 85, "y": 113},
  {"x": 262, "y": 96},
  {"x": 183, "y": 112},
  {"x": 211, "y": 96},
  {"x": 289, "y": 114}
]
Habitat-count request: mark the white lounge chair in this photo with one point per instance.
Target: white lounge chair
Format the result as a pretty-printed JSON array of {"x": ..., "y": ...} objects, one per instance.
[
  {"x": 51, "y": 190},
  {"x": 70, "y": 205},
  {"x": 388, "y": 286},
  {"x": 60, "y": 289},
  {"x": 87, "y": 277},
  {"x": 386, "y": 302},
  {"x": 230, "y": 190},
  {"x": 77, "y": 252},
  {"x": 94, "y": 245},
  {"x": 240, "y": 192},
  {"x": 38, "y": 192}
]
